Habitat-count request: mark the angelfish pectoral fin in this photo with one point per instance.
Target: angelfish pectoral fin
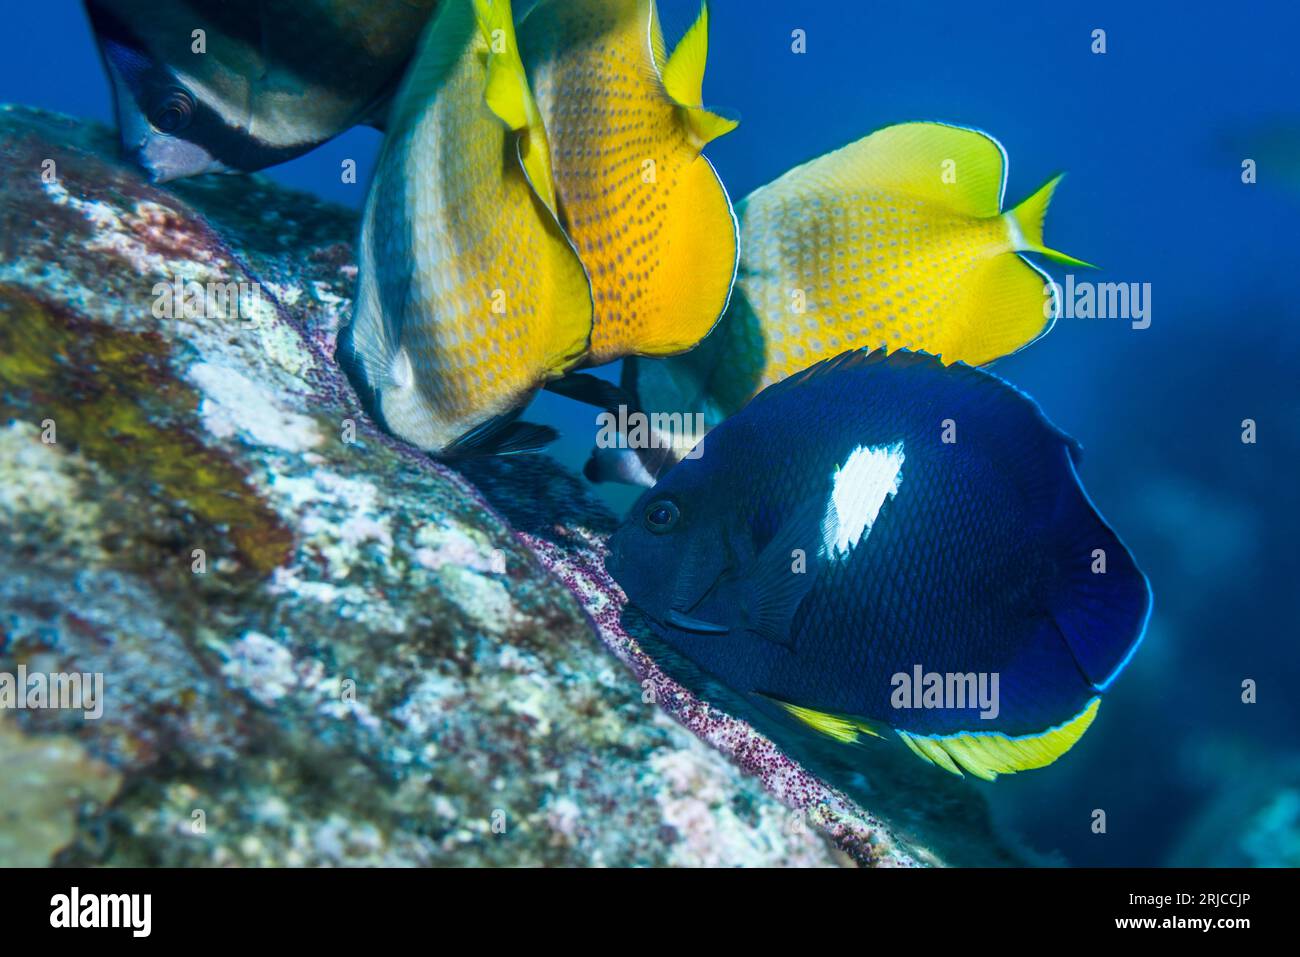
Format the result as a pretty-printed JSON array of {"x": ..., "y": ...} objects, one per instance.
[
  {"x": 782, "y": 574},
  {"x": 687, "y": 623}
]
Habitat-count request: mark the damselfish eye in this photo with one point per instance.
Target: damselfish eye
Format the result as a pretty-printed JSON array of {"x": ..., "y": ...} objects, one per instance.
[
  {"x": 660, "y": 516},
  {"x": 173, "y": 112}
]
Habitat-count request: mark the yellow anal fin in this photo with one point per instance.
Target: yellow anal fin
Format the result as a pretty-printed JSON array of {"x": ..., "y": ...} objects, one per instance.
[
  {"x": 1027, "y": 225},
  {"x": 988, "y": 754},
  {"x": 508, "y": 94},
  {"x": 1009, "y": 304},
  {"x": 843, "y": 728},
  {"x": 683, "y": 79}
]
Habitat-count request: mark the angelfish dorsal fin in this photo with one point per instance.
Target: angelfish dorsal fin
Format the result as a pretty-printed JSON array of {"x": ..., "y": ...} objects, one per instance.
[
  {"x": 683, "y": 78},
  {"x": 509, "y": 96}
]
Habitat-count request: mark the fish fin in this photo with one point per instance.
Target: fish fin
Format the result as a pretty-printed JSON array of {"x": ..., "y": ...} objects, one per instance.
[
  {"x": 954, "y": 167},
  {"x": 1011, "y": 304},
  {"x": 502, "y": 435},
  {"x": 595, "y": 391},
  {"x": 658, "y": 45},
  {"x": 1102, "y": 615},
  {"x": 624, "y": 466},
  {"x": 849, "y": 359},
  {"x": 987, "y": 754},
  {"x": 843, "y": 728},
  {"x": 509, "y": 96},
  {"x": 705, "y": 126},
  {"x": 683, "y": 72},
  {"x": 1027, "y": 225},
  {"x": 776, "y": 590},
  {"x": 683, "y": 79},
  {"x": 375, "y": 114},
  {"x": 438, "y": 55}
]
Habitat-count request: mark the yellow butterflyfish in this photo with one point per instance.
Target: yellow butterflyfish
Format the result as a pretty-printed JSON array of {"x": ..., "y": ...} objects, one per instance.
[
  {"x": 470, "y": 295},
  {"x": 648, "y": 214},
  {"x": 896, "y": 241}
]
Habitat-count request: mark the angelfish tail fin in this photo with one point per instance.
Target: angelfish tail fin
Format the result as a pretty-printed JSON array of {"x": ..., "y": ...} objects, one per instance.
[
  {"x": 1026, "y": 221},
  {"x": 1103, "y": 601}
]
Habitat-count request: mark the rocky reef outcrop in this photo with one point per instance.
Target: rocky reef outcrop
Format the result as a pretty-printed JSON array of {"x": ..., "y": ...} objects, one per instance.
[{"x": 317, "y": 645}]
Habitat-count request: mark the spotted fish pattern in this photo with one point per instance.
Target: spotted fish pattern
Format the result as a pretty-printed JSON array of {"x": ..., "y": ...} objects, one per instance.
[{"x": 648, "y": 214}]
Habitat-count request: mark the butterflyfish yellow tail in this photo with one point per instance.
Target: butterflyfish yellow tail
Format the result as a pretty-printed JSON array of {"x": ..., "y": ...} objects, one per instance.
[
  {"x": 683, "y": 79},
  {"x": 509, "y": 96},
  {"x": 1027, "y": 225}
]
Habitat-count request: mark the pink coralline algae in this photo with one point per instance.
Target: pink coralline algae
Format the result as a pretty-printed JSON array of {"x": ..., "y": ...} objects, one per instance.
[{"x": 579, "y": 564}]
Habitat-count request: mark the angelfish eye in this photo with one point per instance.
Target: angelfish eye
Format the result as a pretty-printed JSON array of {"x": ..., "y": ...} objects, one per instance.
[
  {"x": 173, "y": 112},
  {"x": 660, "y": 516}
]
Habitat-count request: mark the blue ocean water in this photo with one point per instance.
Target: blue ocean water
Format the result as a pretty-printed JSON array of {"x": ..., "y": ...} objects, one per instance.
[{"x": 1153, "y": 133}]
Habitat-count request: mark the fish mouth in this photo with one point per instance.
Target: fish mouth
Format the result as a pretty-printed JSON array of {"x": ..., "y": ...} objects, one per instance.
[{"x": 697, "y": 625}]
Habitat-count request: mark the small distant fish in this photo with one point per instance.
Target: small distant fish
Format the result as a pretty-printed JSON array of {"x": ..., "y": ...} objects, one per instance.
[
  {"x": 1272, "y": 149},
  {"x": 896, "y": 241},
  {"x": 272, "y": 79},
  {"x": 878, "y": 516},
  {"x": 470, "y": 296},
  {"x": 648, "y": 214}
]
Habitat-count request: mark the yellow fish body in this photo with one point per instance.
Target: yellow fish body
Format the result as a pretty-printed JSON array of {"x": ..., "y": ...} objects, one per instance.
[
  {"x": 897, "y": 241},
  {"x": 470, "y": 295},
  {"x": 648, "y": 214}
]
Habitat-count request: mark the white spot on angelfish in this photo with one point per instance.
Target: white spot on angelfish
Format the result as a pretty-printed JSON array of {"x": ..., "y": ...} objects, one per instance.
[
  {"x": 868, "y": 476},
  {"x": 400, "y": 370}
]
